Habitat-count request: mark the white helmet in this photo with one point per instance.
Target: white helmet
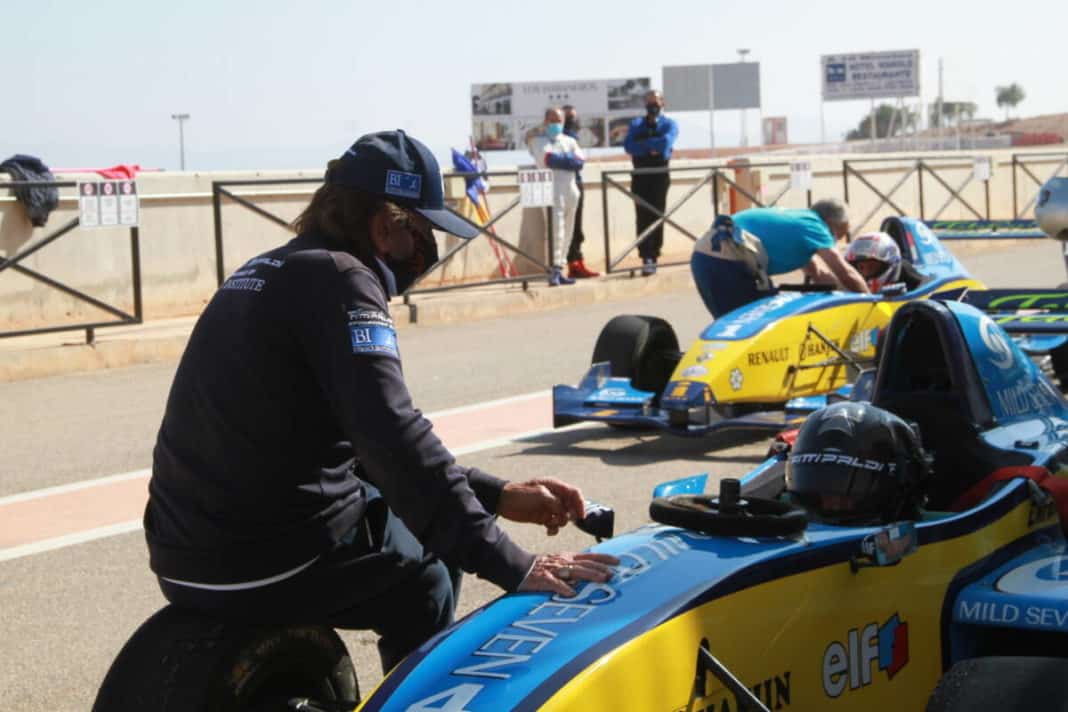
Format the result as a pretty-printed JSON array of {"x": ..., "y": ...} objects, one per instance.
[
  {"x": 877, "y": 246},
  {"x": 1052, "y": 208}
]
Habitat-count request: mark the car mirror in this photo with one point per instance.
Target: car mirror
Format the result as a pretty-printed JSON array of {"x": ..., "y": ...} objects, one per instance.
[{"x": 886, "y": 547}]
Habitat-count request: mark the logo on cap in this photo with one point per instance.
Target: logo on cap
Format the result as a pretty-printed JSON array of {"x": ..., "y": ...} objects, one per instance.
[{"x": 403, "y": 185}]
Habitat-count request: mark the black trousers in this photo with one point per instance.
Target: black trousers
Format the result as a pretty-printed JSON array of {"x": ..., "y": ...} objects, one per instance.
[
  {"x": 577, "y": 237},
  {"x": 377, "y": 578},
  {"x": 653, "y": 187}
]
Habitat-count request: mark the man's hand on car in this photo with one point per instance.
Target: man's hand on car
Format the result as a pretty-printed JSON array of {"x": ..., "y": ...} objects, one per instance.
[
  {"x": 546, "y": 501},
  {"x": 556, "y": 572}
]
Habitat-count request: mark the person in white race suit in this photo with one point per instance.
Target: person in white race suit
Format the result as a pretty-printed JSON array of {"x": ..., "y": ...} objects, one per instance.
[{"x": 554, "y": 149}]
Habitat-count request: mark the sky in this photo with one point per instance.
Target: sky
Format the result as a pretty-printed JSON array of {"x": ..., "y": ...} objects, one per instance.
[{"x": 287, "y": 85}]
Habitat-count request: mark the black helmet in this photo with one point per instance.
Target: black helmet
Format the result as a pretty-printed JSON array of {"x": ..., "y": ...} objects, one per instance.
[{"x": 854, "y": 463}]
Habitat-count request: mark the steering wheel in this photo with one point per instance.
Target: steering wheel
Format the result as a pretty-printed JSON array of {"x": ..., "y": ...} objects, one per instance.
[{"x": 729, "y": 514}]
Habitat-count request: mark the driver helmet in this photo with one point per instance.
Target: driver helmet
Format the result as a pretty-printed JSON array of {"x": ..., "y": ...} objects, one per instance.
[
  {"x": 854, "y": 463},
  {"x": 877, "y": 257}
]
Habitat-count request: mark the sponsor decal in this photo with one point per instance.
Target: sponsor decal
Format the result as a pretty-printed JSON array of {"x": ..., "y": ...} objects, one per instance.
[
  {"x": 244, "y": 284},
  {"x": 264, "y": 261},
  {"x": 1000, "y": 352},
  {"x": 709, "y": 349},
  {"x": 757, "y": 313},
  {"x": 840, "y": 458},
  {"x": 1024, "y": 397},
  {"x": 1043, "y": 300},
  {"x": 1044, "y": 577},
  {"x": 762, "y": 358},
  {"x": 511, "y": 650},
  {"x": 850, "y": 664},
  {"x": 605, "y": 413},
  {"x": 404, "y": 185},
  {"x": 371, "y": 332},
  {"x": 736, "y": 379},
  {"x": 695, "y": 372},
  {"x": 817, "y": 347},
  {"x": 774, "y": 692},
  {"x": 864, "y": 340},
  {"x": 1003, "y": 613}
]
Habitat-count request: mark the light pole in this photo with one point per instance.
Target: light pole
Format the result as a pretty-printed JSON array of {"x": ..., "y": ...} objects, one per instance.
[
  {"x": 181, "y": 119},
  {"x": 745, "y": 134}
]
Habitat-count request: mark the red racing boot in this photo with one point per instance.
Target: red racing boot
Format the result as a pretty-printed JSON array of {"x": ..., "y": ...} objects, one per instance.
[{"x": 577, "y": 269}]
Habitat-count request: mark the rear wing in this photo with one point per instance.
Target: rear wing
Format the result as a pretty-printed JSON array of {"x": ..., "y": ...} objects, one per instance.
[
  {"x": 1018, "y": 311},
  {"x": 986, "y": 229}
]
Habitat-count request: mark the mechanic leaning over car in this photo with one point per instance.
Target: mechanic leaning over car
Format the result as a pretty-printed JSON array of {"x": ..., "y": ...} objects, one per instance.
[
  {"x": 293, "y": 479},
  {"x": 876, "y": 256},
  {"x": 733, "y": 262}
]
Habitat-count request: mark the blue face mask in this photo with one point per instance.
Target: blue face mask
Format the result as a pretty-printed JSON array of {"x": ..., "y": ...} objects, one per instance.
[{"x": 554, "y": 130}]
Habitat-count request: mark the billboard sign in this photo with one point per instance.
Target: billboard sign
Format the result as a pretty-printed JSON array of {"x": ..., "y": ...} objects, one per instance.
[
  {"x": 871, "y": 75},
  {"x": 707, "y": 87},
  {"x": 505, "y": 116}
]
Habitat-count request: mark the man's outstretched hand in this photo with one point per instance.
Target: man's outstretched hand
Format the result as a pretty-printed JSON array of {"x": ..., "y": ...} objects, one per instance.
[
  {"x": 546, "y": 501},
  {"x": 557, "y": 572}
]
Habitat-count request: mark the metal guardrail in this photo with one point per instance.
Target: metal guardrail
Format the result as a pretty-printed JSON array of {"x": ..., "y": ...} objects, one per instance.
[
  {"x": 15, "y": 263},
  {"x": 1022, "y": 162},
  {"x": 219, "y": 189},
  {"x": 921, "y": 166},
  {"x": 713, "y": 174}
]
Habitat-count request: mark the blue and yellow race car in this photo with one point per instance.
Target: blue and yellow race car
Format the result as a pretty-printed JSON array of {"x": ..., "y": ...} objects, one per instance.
[
  {"x": 762, "y": 366},
  {"x": 741, "y": 601},
  {"x": 737, "y": 602}
]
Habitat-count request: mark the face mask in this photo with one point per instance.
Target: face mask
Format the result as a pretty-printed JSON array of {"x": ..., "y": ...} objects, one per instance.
[
  {"x": 423, "y": 258},
  {"x": 571, "y": 125},
  {"x": 652, "y": 109},
  {"x": 553, "y": 130}
]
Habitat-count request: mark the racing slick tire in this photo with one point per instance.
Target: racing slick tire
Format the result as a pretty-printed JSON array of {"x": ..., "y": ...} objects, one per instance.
[
  {"x": 641, "y": 348},
  {"x": 1006, "y": 684},
  {"x": 180, "y": 660}
]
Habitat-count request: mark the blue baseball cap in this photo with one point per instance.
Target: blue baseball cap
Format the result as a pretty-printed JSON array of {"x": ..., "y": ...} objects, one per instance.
[{"x": 402, "y": 170}]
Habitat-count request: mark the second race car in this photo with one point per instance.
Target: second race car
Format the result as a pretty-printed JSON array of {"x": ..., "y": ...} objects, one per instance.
[{"x": 762, "y": 366}]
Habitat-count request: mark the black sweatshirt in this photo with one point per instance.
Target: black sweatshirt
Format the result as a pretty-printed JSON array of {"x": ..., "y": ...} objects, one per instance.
[{"x": 288, "y": 397}]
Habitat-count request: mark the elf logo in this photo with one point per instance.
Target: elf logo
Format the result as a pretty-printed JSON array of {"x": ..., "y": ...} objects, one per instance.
[{"x": 850, "y": 664}]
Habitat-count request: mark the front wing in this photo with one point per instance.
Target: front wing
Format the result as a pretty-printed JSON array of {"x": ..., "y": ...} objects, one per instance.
[{"x": 603, "y": 398}]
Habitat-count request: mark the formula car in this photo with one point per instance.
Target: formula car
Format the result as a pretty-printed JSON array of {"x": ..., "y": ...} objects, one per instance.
[
  {"x": 737, "y": 602},
  {"x": 740, "y": 601},
  {"x": 759, "y": 367}
]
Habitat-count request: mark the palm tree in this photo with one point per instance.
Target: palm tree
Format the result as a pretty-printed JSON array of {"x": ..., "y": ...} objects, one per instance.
[{"x": 1009, "y": 96}]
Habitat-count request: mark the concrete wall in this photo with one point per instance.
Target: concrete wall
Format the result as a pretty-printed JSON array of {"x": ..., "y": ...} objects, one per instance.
[{"x": 177, "y": 229}]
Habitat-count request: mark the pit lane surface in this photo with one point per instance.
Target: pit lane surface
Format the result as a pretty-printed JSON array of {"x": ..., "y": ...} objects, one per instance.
[{"x": 66, "y": 611}]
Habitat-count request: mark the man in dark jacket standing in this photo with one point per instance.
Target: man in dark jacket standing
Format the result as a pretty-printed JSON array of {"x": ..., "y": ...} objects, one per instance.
[
  {"x": 650, "y": 140},
  {"x": 293, "y": 479}
]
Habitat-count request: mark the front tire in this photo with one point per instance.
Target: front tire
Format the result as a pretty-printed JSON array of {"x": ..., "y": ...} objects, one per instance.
[
  {"x": 180, "y": 661},
  {"x": 1006, "y": 684},
  {"x": 641, "y": 348}
]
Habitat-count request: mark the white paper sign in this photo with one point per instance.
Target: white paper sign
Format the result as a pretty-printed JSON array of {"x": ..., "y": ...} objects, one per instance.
[
  {"x": 88, "y": 205},
  {"x": 801, "y": 175},
  {"x": 109, "y": 204},
  {"x": 983, "y": 168},
  {"x": 536, "y": 188},
  {"x": 129, "y": 207}
]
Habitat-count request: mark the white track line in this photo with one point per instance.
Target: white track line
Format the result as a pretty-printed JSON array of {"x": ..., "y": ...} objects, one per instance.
[{"x": 60, "y": 542}]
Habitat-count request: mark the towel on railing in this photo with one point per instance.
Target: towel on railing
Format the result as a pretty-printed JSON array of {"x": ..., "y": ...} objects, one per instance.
[{"x": 38, "y": 201}]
